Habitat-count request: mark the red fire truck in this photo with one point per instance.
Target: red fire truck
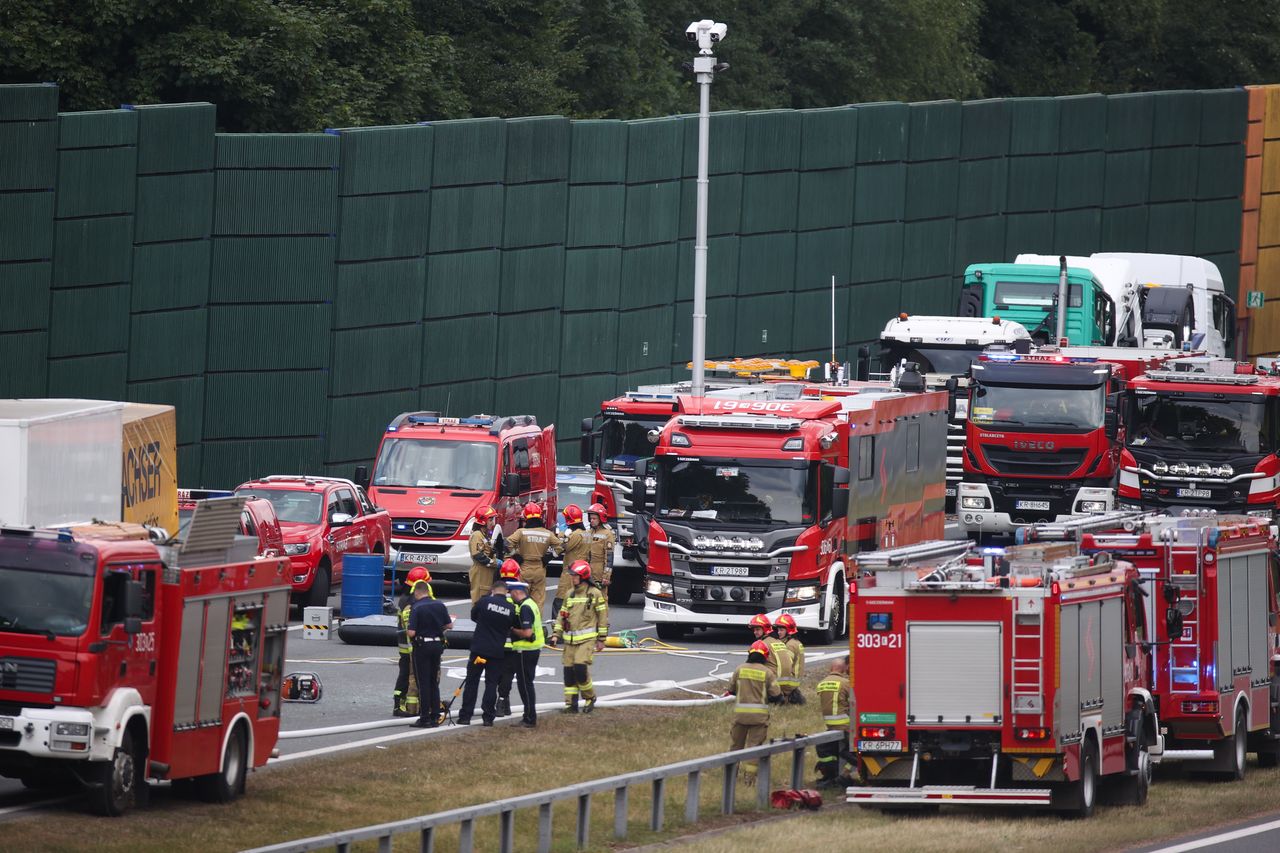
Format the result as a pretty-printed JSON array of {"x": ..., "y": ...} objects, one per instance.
[
  {"x": 751, "y": 512},
  {"x": 1213, "y": 582},
  {"x": 1012, "y": 676},
  {"x": 123, "y": 661},
  {"x": 1203, "y": 434},
  {"x": 1041, "y": 440},
  {"x": 432, "y": 473}
]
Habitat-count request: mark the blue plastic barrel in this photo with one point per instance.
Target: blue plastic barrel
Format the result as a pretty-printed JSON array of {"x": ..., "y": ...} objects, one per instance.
[{"x": 362, "y": 585}]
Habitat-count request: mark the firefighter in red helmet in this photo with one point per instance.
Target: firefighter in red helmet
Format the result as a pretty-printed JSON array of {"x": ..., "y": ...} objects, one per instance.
[
  {"x": 582, "y": 624},
  {"x": 780, "y": 660},
  {"x": 602, "y": 542},
  {"x": 485, "y": 545},
  {"x": 577, "y": 546},
  {"x": 754, "y": 685},
  {"x": 787, "y": 631},
  {"x": 532, "y": 546}
]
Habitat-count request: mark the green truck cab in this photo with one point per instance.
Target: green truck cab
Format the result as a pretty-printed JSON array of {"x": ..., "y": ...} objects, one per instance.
[{"x": 1028, "y": 294}]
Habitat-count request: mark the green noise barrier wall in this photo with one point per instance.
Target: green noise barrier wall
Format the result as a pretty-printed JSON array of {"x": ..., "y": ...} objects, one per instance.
[{"x": 291, "y": 293}]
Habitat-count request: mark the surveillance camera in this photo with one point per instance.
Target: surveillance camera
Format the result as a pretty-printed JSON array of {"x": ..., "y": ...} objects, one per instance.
[{"x": 706, "y": 33}]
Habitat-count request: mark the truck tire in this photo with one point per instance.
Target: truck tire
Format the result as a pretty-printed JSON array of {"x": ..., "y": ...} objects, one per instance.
[
  {"x": 1081, "y": 796},
  {"x": 1133, "y": 790},
  {"x": 838, "y": 625},
  {"x": 116, "y": 782},
  {"x": 621, "y": 590},
  {"x": 667, "y": 631},
  {"x": 1231, "y": 752},
  {"x": 227, "y": 784},
  {"x": 318, "y": 595}
]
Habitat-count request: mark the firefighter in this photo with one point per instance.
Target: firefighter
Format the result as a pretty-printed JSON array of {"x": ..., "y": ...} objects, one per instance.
[
  {"x": 602, "y": 542},
  {"x": 405, "y": 697},
  {"x": 484, "y": 545},
  {"x": 583, "y": 623},
  {"x": 428, "y": 622},
  {"x": 786, "y": 630},
  {"x": 779, "y": 655},
  {"x": 754, "y": 685},
  {"x": 532, "y": 546},
  {"x": 528, "y": 647},
  {"x": 577, "y": 546},
  {"x": 835, "y": 699}
]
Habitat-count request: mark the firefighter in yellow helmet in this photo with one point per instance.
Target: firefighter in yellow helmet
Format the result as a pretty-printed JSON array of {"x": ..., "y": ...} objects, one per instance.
[
  {"x": 532, "y": 546},
  {"x": 786, "y": 630},
  {"x": 405, "y": 698},
  {"x": 577, "y": 546},
  {"x": 780, "y": 660},
  {"x": 835, "y": 698},
  {"x": 755, "y": 686},
  {"x": 583, "y": 624},
  {"x": 485, "y": 542},
  {"x": 602, "y": 542}
]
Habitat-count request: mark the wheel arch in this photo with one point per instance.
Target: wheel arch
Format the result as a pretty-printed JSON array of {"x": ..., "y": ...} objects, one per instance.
[{"x": 240, "y": 719}]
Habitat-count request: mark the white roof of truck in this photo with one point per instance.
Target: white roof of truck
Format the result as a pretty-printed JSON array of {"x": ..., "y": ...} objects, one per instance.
[
  {"x": 1170, "y": 270},
  {"x": 1111, "y": 272},
  {"x": 25, "y": 412},
  {"x": 953, "y": 330}
]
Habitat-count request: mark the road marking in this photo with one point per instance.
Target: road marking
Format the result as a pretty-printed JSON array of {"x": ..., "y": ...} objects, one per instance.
[
  {"x": 1220, "y": 838},
  {"x": 35, "y": 804}
]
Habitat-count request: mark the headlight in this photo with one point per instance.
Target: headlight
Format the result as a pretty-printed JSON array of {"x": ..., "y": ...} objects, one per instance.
[
  {"x": 1160, "y": 468},
  {"x": 973, "y": 503},
  {"x": 703, "y": 543},
  {"x": 802, "y": 593},
  {"x": 658, "y": 589},
  {"x": 755, "y": 543},
  {"x": 1093, "y": 506},
  {"x": 72, "y": 729},
  {"x": 1203, "y": 470},
  {"x": 297, "y": 549},
  {"x": 1223, "y": 471}
]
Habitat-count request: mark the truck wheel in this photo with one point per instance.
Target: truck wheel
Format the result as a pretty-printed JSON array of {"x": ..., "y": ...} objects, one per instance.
[
  {"x": 1133, "y": 790},
  {"x": 318, "y": 595},
  {"x": 667, "y": 631},
  {"x": 1232, "y": 752},
  {"x": 225, "y": 786},
  {"x": 1082, "y": 795},
  {"x": 838, "y": 624},
  {"x": 620, "y": 591},
  {"x": 116, "y": 781}
]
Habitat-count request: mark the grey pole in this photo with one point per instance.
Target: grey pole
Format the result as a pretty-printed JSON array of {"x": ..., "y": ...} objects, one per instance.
[{"x": 1063, "y": 300}]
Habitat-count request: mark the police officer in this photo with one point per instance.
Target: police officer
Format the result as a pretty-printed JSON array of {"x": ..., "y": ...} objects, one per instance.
[
  {"x": 405, "y": 697},
  {"x": 779, "y": 655},
  {"x": 786, "y": 630},
  {"x": 835, "y": 699},
  {"x": 484, "y": 543},
  {"x": 428, "y": 621},
  {"x": 528, "y": 649},
  {"x": 602, "y": 542},
  {"x": 494, "y": 616},
  {"x": 583, "y": 624},
  {"x": 754, "y": 685},
  {"x": 577, "y": 546},
  {"x": 531, "y": 547},
  {"x": 508, "y": 573}
]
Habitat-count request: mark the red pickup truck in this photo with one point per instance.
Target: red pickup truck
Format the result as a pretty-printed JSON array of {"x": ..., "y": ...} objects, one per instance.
[{"x": 321, "y": 519}]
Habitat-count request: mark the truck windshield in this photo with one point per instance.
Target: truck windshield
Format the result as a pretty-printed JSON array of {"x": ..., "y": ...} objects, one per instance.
[
  {"x": 291, "y": 506},
  {"x": 952, "y": 361},
  {"x": 437, "y": 464},
  {"x": 1038, "y": 294},
  {"x": 733, "y": 491},
  {"x": 1184, "y": 423},
  {"x": 1013, "y": 406},
  {"x": 624, "y": 440},
  {"x": 36, "y": 600}
]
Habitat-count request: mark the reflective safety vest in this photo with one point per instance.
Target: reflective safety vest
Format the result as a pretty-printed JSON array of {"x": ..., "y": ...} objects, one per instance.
[
  {"x": 833, "y": 699},
  {"x": 539, "y": 638},
  {"x": 797, "y": 656},
  {"x": 782, "y": 663},
  {"x": 753, "y": 684},
  {"x": 584, "y": 616}
]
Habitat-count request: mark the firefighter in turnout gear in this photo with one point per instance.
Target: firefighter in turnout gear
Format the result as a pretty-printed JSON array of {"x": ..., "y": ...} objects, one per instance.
[
  {"x": 583, "y": 624},
  {"x": 486, "y": 546},
  {"x": 577, "y": 546},
  {"x": 786, "y": 630},
  {"x": 755, "y": 686},
  {"x": 532, "y": 546},
  {"x": 602, "y": 542},
  {"x": 835, "y": 699},
  {"x": 405, "y": 698},
  {"x": 780, "y": 660}
]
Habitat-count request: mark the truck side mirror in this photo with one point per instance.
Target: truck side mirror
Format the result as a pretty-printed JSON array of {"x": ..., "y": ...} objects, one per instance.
[
  {"x": 133, "y": 625},
  {"x": 510, "y": 485},
  {"x": 134, "y": 593},
  {"x": 840, "y": 503},
  {"x": 640, "y": 492},
  {"x": 840, "y": 475},
  {"x": 864, "y": 363},
  {"x": 340, "y": 519},
  {"x": 584, "y": 449},
  {"x": 362, "y": 476},
  {"x": 1111, "y": 423},
  {"x": 952, "y": 385}
]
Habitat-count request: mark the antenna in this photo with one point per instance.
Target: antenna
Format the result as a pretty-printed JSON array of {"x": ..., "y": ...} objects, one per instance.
[
  {"x": 833, "y": 319},
  {"x": 448, "y": 401}
]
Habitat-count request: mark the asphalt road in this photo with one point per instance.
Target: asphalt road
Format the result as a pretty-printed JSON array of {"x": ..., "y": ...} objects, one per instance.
[{"x": 1259, "y": 835}]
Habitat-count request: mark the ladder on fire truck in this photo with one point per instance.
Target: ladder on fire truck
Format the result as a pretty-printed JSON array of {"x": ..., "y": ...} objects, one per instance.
[{"x": 1073, "y": 529}]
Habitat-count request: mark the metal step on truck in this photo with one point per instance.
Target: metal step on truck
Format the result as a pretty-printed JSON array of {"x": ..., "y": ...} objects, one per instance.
[{"x": 1006, "y": 677}]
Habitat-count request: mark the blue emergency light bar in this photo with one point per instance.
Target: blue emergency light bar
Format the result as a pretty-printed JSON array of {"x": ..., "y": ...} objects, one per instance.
[
  {"x": 1035, "y": 358},
  {"x": 433, "y": 418}
]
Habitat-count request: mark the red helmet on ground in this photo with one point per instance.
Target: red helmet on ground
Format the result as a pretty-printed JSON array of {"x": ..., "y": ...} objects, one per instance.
[
  {"x": 598, "y": 509},
  {"x": 532, "y": 510},
  {"x": 760, "y": 647},
  {"x": 786, "y": 620},
  {"x": 573, "y": 514},
  {"x": 582, "y": 569},
  {"x": 761, "y": 621},
  {"x": 418, "y": 573},
  {"x": 485, "y": 513},
  {"x": 509, "y": 570}
]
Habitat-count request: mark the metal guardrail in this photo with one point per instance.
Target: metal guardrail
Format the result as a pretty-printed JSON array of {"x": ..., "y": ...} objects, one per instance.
[{"x": 427, "y": 825}]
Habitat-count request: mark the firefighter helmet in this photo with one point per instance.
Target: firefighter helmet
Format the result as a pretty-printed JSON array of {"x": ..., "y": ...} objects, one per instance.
[
  {"x": 573, "y": 514},
  {"x": 582, "y": 569},
  {"x": 532, "y": 510},
  {"x": 598, "y": 509},
  {"x": 760, "y": 647},
  {"x": 760, "y": 621},
  {"x": 417, "y": 573},
  {"x": 484, "y": 513},
  {"x": 509, "y": 570},
  {"x": 786, "y": 620}
]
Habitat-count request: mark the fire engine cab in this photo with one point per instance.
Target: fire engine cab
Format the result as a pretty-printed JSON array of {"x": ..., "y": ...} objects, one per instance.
[
  {"x": 1003, "y": 677},
  {"x": 123, "y": 661}
]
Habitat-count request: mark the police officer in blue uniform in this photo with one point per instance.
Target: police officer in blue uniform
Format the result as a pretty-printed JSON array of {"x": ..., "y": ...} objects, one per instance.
[
  {"x": 495, "y": 618},
  {"x": 428, "y": 620}
]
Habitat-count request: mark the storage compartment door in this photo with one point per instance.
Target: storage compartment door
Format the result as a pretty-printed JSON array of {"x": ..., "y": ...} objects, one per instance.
[
  {"x": 954, "y": 673},
  {"x": 1067, "y": 715},
  {"x": 1112, "y": 653}
]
